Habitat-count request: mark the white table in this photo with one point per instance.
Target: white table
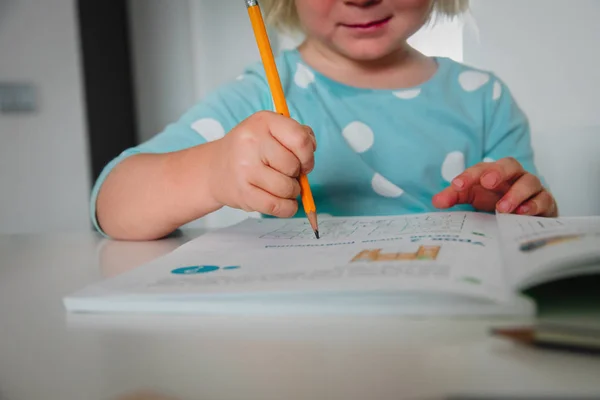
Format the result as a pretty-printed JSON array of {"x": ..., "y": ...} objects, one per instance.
[{"x": 47, "y": 354}]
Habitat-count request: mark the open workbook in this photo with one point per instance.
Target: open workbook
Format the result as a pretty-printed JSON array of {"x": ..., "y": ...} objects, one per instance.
[{"x": 456, "y": 263}]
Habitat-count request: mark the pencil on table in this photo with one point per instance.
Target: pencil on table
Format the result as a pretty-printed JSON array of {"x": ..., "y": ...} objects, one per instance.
[
  {"x": 574, "y": 339},
  {"x": 266, "y": 54}
]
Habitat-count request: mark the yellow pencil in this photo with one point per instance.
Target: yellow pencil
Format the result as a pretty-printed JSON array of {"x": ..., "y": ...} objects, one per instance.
[{"x": 266, "y": 54}]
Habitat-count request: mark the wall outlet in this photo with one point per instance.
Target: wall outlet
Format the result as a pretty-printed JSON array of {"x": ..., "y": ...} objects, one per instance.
[{"x": 17, "y": 97}]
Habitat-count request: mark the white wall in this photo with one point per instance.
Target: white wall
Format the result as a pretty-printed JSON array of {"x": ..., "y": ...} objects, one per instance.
[
  {"x": 162, "y": 60},
  {"x": 222, "y": 42},
  {"x": 442, "y": 38},
  {"x": 548, "y": 53},
  {"x": 44, "y": 170}
]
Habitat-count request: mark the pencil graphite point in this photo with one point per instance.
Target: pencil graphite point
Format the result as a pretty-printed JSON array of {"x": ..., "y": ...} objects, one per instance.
[{"x": 314, "y": 224}]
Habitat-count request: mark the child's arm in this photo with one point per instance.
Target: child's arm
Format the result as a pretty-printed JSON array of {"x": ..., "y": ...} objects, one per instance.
[
  {"x": 148, "y": 196},
  {"x": 225, "y": 151},
  {"x": 255, "y": 168},
  {"x": 509, "y": 181}
]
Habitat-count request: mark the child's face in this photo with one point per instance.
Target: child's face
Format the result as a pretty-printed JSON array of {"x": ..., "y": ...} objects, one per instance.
[{"x": 362, "y": 29}]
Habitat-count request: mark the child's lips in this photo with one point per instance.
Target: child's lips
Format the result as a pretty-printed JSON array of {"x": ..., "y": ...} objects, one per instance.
[{"x": 369, "y": 26}]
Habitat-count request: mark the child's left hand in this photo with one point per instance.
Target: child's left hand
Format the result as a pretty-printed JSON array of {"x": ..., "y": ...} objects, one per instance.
[{"x": 503, "y": 186}]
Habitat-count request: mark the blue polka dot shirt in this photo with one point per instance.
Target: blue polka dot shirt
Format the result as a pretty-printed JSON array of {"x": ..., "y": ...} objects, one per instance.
[{"x": 380, "y": 152}]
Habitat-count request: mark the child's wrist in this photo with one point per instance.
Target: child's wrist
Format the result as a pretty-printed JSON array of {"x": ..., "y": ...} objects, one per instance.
[
  {"x": 188, "y": 173},
  {"x": 206, "y": 170}
]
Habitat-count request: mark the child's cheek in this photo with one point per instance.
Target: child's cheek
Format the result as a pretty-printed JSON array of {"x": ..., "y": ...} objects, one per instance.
[{"x": 318, "y": 16}]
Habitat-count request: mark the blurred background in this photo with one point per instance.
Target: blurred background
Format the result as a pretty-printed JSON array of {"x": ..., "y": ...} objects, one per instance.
[{"x": 80, "y": 81}]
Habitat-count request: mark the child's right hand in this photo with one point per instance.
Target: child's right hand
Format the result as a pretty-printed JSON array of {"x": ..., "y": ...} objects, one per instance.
[{"x": 255, "y": 166}]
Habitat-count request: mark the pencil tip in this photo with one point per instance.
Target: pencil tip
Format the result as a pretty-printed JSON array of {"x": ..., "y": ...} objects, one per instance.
[{"x": 317, "y": 234}]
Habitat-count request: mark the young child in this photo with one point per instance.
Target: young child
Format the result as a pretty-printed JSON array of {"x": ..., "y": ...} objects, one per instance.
[{"x": 397, "y": 132}]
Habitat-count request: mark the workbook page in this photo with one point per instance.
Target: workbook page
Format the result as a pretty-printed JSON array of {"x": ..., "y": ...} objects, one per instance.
[
  {"x": 539, "y": 249},
  {"x": 461, "y": 227},
  {"x": 440, "y": 253}
]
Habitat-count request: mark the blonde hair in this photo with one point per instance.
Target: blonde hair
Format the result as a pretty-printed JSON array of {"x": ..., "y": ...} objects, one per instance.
[{"x": 282, "y": 14}]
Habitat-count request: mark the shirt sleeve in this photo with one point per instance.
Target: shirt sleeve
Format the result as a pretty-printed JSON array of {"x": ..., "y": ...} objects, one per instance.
[
  {"x": 208, "y": 120},
  {"x": 507, "y": 129}
]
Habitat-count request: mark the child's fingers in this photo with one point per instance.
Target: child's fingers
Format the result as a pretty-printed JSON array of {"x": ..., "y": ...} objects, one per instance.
[
  {"x": 275, "y": 183},
  {"x": 276, "y": 156},
  {"x": 470, "y": 177},
  {"x": 299, "y": 139},
  {"x": 493, "y": 176},
  {"x": 523, "y": 189},
  {"x": 483, "y": 199},
  {"x": 309, "y": 130},
  {"x": 542, "y": 204},
  {"x": 501, "y": 172},
  {"x": 257, "y": 199},
  {"x": 480, "y": 198},
  {"x": 446, "y": 198}
]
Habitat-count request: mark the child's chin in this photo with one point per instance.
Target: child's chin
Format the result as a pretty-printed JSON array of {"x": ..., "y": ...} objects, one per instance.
[
  {"x": 368, "y": 51},
  {"x": 366, "y": 54}
]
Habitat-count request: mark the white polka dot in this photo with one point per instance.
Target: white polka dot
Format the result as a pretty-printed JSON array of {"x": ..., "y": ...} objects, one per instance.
[
  {"x": 407, "y": 94},
  {"x": 210, "y": 129},
  {"x": 239, "y": 78},
  {"x": 473, "y": 80},
  {"x": 359, "y": 136},
  {"x": 488, "y": 159},
  {"x": 497, "y": 90},
  {"x": 303, "y": 76},
  {"x": 453, "y": 165},
  {"x": 385, "y": 188}
]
